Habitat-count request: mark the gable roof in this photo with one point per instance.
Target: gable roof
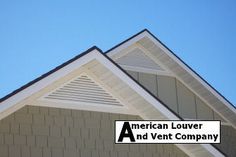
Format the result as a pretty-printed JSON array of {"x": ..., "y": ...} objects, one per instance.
[
  {"x": 140, "y": 100},
  {"x": 183, "y": 72}
]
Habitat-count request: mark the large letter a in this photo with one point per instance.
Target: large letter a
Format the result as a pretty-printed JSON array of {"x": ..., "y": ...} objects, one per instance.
[{"x": 129, "y": 133}]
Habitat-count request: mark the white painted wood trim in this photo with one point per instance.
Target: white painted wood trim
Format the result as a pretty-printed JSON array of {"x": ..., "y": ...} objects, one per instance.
[
  {"x": 145, "y": 70},
  {"x": 85, "y": 106},
  {"x": 212, "y": 150}
]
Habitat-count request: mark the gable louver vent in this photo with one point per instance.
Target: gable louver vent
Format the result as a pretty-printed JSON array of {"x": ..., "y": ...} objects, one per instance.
[
  {"x": 137, "y": 58},
  {"x": 83, "y": 89}
]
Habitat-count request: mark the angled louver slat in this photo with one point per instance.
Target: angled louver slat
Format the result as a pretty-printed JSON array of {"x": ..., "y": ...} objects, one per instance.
[
  {"x": 83, "y": 89},
  {"x": 137, "y": 58}
]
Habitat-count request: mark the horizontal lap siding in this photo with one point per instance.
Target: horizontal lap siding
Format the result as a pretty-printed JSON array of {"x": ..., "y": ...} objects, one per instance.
[{"x": 52, "y": 132}]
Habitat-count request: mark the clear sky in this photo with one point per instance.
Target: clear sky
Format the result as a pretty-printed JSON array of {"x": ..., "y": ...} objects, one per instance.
[{"x": 36, "y": 36}]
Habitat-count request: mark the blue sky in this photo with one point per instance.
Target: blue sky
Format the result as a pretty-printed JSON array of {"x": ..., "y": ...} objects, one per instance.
[{"x": 36, "y": 36}]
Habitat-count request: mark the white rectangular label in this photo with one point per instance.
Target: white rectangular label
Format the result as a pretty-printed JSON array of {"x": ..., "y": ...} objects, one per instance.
[{"x": 167, "y": 131}]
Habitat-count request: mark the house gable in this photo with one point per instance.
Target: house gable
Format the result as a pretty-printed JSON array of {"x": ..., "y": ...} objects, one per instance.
[{"x": 186, "y": 79}]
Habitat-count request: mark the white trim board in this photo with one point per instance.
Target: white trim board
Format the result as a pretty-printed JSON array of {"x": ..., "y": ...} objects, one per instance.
[{"x": 145, "y": 70}]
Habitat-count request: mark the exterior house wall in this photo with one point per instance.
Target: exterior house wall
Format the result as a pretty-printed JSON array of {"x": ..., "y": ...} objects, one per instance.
[
  {"x": 176, "y": 95},
  {"x": 189, "y": 106},
  {"x": 52, "y": 132}
]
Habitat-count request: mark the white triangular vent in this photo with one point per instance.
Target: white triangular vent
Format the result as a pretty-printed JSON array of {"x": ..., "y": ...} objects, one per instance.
[
  {"x": 137, "y": 58},
  {"x": 83, "y": 89}
]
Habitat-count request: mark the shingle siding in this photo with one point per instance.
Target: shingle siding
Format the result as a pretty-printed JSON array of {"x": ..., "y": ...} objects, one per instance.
[{"x": 53, "y": 132}]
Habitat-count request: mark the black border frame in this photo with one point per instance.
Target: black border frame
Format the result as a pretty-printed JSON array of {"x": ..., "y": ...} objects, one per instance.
[{"x": 170, "y": 121}]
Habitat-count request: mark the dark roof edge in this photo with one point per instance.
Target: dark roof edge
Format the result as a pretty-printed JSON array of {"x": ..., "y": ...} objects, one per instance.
[
  {"x": 48, "y": 73},
  {"x": 146, "y": 30}
]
